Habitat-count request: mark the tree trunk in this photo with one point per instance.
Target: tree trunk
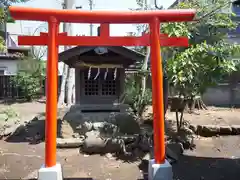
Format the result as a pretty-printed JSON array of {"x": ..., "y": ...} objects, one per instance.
[
  {"x": 196, "y": 102},
  {"x": 61, "y": 98},
  {"x": 74, "y": 95},
  {"x": 70, "y": 84},
  {"x": 144, "y": 69},
  {"x": 69, "y": 4}
]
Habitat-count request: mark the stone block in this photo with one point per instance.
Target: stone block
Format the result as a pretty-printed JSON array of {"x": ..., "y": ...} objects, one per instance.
[{"x": 159, "y": 171}]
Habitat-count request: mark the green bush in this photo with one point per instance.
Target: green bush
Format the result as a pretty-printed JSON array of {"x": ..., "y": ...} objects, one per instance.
[
  {"x": 134, "y": 96},
  {"x": 29, "y": 77}
]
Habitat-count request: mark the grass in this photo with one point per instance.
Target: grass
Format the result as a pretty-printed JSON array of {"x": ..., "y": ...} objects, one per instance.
[{"x": 10, "y": 112}]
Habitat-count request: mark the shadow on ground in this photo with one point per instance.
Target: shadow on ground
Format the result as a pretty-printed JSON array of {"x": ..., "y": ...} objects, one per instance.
[
  {"x": 197, "y": 168},
  {"x": 202, "y": 168},
  {"x": 33, "y": 132},
  {"x": 72, "y": 179}
]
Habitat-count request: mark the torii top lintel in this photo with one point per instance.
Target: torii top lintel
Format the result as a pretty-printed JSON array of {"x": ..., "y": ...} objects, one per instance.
[
  {"x": 76, "y": 16},
  {"x": 105, "y": 18}
]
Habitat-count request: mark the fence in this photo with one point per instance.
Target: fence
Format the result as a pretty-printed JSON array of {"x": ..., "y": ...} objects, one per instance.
[{"x": 10, "y": 91}]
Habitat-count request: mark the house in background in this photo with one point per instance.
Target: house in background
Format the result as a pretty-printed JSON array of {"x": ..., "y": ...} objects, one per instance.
[
  {"x": 9, "y": 66},
  {"x": 9, "y": 59},
  {"x": 13, "y": 31}
]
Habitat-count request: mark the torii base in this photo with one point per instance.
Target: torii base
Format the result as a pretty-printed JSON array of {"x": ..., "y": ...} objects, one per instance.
[
  {"x": 52, "y": 173},
  {"x": 159, "y": 171}
]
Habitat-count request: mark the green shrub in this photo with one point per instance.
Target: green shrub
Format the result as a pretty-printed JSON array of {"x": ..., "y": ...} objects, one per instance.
[
  {"x": 29, "y": 77},
  {"x": 134, "y": 96}
]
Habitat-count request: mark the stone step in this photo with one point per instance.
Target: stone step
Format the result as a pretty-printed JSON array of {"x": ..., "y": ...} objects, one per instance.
[{"x": 213, "y": 130}]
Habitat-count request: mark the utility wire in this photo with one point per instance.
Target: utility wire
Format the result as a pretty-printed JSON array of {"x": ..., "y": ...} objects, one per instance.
[{"x": 211, "y": 13}]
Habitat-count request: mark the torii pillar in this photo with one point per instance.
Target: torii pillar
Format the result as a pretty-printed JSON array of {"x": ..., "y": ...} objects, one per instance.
[{"x": 159, "y": 168}]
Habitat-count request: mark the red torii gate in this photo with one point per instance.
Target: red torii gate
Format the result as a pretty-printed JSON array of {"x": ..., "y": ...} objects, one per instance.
[{"x": 53, "y": 39}]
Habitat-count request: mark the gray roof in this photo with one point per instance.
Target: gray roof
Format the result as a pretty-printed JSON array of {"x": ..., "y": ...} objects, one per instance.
[
  {"x": 13, "y": 50},
  {"x": 78, "y": 50},
  {"x": 9, "y": 56}
]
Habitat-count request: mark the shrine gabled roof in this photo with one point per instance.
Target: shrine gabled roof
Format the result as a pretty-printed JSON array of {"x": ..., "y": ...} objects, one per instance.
[{"x": 80, "y": 51}]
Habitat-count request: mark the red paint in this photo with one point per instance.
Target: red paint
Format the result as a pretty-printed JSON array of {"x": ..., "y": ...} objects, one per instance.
[
  {"x": 104, "y": 30},
  {"x": 51, "y": 103},
  {"x": 53, "y": 39},
  {"x": 157, "y": 93},
  {"x": 83, "y": 16},
  {"x": 102, "y": 40}
]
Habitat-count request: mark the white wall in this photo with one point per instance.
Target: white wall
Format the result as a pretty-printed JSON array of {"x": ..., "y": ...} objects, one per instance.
[{"x": 10, "y": 66}]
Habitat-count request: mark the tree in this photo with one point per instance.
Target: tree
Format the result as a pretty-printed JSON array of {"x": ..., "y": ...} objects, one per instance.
[
  {"x": 68, "y": 83},
  {"x": 137, "y": 94},
  {"x": 4, "y": 13},
  {"x": 144, "y": 67},
  {"x": 2, "y": 45},
  {"x": 134, "y": 95},
  {"x": 40, "y": 51},
  {"x": 61, "y": 98},
  {"x": 208, "y": 59}
]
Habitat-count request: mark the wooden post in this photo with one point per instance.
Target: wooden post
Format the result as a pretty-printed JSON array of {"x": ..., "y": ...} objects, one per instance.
[
  {"x": 51, "y": 101},
  {"x": 157, "y": 92}
]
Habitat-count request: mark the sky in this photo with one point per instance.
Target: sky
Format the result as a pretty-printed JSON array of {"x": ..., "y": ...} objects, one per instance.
[
  {"x": 34, "y": 28},
  {"x": 28, "y": 27}
]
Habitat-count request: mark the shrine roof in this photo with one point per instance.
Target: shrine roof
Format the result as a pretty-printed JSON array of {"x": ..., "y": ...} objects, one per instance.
[{"x": 97, "y": 55}]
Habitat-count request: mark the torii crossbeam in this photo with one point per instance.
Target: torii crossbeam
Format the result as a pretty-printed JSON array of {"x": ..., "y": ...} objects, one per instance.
[{"x": 53, "y": 39}]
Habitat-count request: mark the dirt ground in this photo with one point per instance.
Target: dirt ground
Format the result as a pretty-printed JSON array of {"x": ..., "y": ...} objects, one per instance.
[
  {"x": 216, "y": 158},
  {"x": 213, "y": 159},
  {"x": 23, "y": 160},
  {"x": 212, "y": 116},
  {"x": 25, "y": 108}
]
